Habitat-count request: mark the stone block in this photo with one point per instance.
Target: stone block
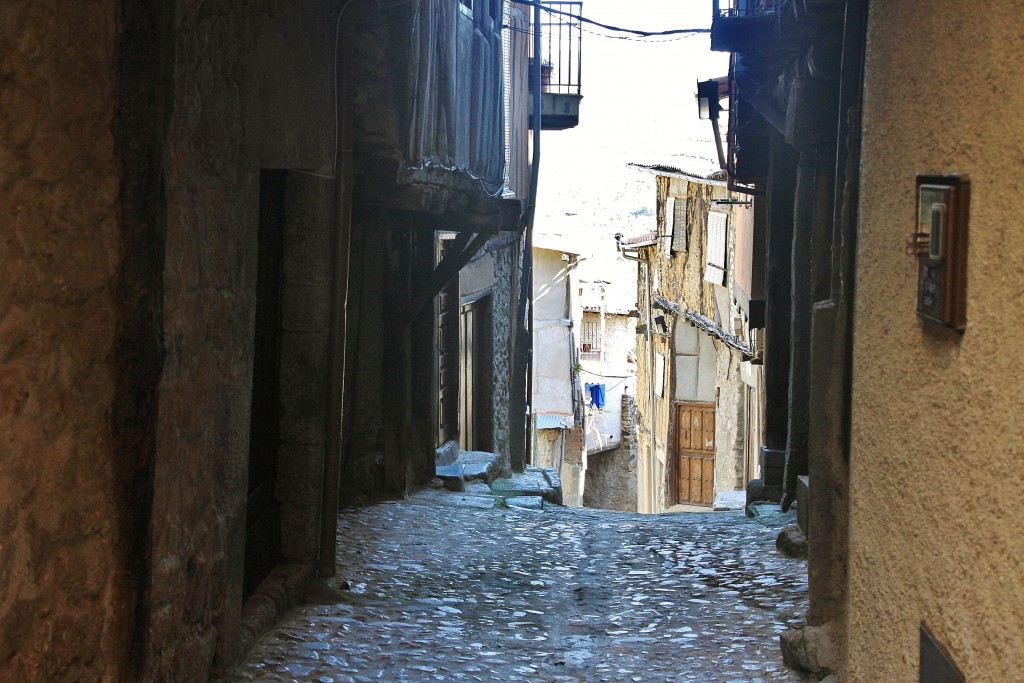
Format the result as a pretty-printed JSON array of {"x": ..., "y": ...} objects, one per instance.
[
  {"x": 532, "y": 482},
  {"x": 791, "y": 542},
  {"x": 477, "y": 488},
  {"x": 810, "y": 649},
  {"x": 525, "y": 502},
  {"x": 730, "y": 500},
  {"x": 478, "y": 502},
  {"x": 447, "y": 453},
  {"x": 479, "y": 465},
  {"x": 451, "y": 475},
  {"x": 553, "y": 479}
]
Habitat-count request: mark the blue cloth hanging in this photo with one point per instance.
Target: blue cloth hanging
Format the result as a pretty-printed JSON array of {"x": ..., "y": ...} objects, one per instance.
[{"x": 596, "y": 392}]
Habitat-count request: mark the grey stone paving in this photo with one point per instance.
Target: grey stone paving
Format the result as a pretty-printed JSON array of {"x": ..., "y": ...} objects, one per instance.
[{"x": 444, "y": 591}]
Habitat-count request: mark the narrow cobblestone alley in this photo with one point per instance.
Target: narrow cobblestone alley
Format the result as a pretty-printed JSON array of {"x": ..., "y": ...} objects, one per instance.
[{"x": 443, "y": 591}]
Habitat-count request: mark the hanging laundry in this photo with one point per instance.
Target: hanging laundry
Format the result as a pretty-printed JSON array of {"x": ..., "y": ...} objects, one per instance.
[{"x": 596, "y": 392}]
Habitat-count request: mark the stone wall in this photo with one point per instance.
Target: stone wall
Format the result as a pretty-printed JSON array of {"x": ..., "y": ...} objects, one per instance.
[
  {"x": 133, "y": 139},
  {"x": 611, "y": 477},
  {"x": 252, "y": 91},
  {"x": 503, "y": 303},
  {"x": 730, "y": 423},
  {"x": 65, "y": 565}
]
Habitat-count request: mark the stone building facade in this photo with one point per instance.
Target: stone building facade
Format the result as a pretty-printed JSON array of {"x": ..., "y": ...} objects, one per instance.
[
  {"x": 214, "y": 207},
  {"x": 697, "y": 396}
]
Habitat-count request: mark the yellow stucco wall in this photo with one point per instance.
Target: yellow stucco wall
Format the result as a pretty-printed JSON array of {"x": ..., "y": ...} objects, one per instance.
[{"x": 937, "y": 472}]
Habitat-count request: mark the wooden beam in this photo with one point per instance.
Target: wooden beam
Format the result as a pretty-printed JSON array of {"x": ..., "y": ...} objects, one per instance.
[{"x": 448, "y": 268}]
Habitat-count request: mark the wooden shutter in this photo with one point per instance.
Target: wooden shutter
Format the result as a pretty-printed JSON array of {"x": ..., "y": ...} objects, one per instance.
[
  {"x": 680, "y": 235},
  {"x": 670, "y": 212},
  {"x": 718, "y": 230}
]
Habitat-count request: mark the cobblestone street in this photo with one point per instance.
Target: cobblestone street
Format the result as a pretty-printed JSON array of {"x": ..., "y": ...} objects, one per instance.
[{"x": 442, "y": 591}]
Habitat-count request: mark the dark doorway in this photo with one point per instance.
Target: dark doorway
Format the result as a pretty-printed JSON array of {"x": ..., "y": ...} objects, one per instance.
[
  {"x": 447, "y": 356},
  {"x": 476, "y": 411},
  {"x": 263, "y": 512}
]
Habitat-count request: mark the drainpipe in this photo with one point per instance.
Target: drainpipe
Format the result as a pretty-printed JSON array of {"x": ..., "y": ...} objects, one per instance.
[
  {"x": 534, "y": 184},
  {"x": 651, "y": 457},
  {"x": 525, "y": 324}
]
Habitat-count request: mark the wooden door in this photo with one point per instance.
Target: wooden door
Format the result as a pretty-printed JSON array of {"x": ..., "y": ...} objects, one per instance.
[{"x": 695, "y": 453}]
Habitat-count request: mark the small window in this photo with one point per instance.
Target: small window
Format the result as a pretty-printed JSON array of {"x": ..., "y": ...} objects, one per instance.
[
  {"x": 718, "y": 231},
  {"x": 590, "y": 338}
]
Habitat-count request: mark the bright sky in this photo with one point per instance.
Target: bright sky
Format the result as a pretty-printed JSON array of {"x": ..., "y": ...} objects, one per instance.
[{"x": 638, "y": 106}]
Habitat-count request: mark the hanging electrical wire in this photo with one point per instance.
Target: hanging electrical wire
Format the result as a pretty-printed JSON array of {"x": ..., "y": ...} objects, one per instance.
[
  {"x": 649, "y": 40},
  {"x": 609, "y": 27}
]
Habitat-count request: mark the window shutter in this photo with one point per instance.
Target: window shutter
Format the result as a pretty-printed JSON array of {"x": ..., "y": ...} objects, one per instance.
[
  {"x": 669, "y": 234},
  {"x": 680, "y": 238},
  {"x": 718, "y": 229}
]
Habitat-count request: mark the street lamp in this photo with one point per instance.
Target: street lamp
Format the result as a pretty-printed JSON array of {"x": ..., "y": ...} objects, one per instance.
[
  {"x": 707, "y": 99},
  {"x": 708, "y": 107}
]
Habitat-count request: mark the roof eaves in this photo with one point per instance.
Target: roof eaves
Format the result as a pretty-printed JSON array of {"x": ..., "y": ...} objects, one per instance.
[
  {"x": 644, "y": 240},
  {"x": 714, "y": 178},
  {"x": 706, "y": 324}
]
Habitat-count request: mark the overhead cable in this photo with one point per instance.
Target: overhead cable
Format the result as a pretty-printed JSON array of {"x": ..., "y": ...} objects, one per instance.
[{"x": 619, "y": 29}]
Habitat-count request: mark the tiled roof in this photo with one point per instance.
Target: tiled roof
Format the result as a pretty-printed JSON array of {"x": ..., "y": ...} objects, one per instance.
[
  {"x": 705, "y": 323},
  {"x": 714, "y": 177},
  {"x": 643, "y": 240}
]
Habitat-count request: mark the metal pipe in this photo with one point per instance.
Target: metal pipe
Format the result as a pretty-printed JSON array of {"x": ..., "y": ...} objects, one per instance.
[
  {"x": 531, "y": 216},
  {"x": 650, "y": 391},
  {"x": 652, "y": 477}
]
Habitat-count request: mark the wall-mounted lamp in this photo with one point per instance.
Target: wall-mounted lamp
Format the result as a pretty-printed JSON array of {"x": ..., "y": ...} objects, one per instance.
[
  {"x": 707, "y": 99},
  {"x": 709, "y": 94}
]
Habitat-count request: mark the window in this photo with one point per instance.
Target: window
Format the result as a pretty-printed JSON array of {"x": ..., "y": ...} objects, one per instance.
[
  {"x": 590, "y": 338},
  {"x": 675, "y": 216},
  {"x": 659, "y": 375},
  {"x": 718, "y": 231}
]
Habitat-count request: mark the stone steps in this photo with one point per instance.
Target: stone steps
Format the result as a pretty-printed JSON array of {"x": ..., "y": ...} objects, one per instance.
[{"x": 475, "y": 473}]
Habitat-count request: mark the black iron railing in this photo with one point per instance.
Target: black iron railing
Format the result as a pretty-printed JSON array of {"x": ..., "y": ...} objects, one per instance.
[
  {"x": 743, "y": 8},
  {"x": 562, "y": 40}
]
